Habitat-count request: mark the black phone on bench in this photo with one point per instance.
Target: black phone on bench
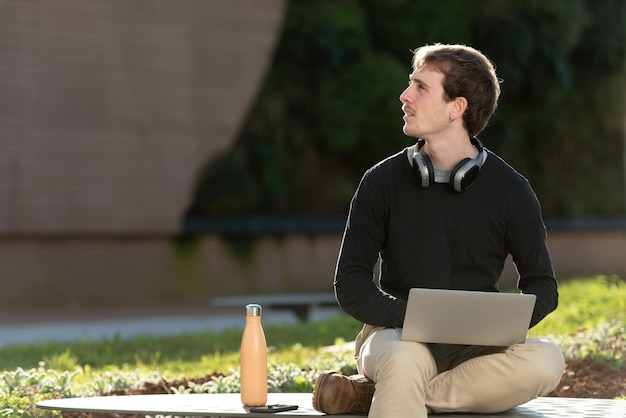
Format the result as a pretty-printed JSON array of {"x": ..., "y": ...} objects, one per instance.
[{"x": 270, "y": 409}]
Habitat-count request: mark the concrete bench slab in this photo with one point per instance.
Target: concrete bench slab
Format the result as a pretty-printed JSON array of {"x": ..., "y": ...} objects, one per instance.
[{"x": 229, "y": 405}]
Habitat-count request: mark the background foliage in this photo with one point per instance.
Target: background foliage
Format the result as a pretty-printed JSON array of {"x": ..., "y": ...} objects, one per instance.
[{"x": 329, "y": 108}]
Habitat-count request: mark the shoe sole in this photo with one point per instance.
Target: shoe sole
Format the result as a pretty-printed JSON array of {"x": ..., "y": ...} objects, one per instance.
[{"x": 318, "y": 383}]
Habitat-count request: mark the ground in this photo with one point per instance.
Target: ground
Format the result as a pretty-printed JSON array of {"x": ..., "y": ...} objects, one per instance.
[
  {"x": 591, "y": 379},
  {"x": 582, "y": 379}
]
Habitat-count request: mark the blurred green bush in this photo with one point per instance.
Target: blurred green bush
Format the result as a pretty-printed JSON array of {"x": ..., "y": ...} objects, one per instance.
[{"x": 329, "y": 108}]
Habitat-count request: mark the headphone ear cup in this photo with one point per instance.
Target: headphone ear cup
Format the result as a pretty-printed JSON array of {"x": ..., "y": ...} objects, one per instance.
[
  {"x": 424, "y": 169},
  {"x": 464, "y": 174}
]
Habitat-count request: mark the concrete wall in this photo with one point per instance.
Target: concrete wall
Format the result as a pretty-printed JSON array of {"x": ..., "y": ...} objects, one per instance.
[
  {"x": 108, "y": 109},
  {"x": 74, "y": 277},
  {"x": 79, "y": 275}
]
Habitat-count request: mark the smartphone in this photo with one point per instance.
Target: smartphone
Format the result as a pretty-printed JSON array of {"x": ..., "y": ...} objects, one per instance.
[{"x": 273, "y": 408}]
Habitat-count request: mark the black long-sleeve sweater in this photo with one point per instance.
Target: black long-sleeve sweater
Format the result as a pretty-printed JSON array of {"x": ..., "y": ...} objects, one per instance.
[{"x": 438, "y": 238}]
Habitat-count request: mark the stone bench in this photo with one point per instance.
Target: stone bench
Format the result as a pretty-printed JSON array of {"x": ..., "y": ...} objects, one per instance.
[
  {"x": 299, "y": 303},
  {"x": 229, "y": 405}
]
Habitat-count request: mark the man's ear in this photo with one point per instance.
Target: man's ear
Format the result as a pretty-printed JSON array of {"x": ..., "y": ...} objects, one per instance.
[{"x": 458, "y": 107}]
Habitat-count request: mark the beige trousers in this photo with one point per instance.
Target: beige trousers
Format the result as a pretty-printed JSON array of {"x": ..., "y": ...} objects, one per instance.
[{"x": 408, "y": 383}]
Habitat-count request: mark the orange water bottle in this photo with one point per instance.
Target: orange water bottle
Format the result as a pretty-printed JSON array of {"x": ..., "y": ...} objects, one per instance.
[{"x": 253, "y": 359}]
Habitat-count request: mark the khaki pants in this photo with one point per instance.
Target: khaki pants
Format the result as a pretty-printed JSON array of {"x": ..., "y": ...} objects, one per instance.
[{"x": 413, "y": 379}]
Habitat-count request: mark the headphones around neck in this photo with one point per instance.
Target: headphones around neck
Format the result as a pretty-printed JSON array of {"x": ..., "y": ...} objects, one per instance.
[{"x": 463, "y": 174}]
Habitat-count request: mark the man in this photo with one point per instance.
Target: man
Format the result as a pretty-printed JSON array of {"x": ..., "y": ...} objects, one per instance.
[{"x": 444, "y": 213}]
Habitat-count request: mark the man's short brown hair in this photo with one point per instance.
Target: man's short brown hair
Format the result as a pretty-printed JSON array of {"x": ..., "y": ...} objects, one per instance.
[{"x": 467, "y": 73}]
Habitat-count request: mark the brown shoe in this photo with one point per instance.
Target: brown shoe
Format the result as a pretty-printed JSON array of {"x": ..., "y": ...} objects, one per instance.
[{"x": 338, "y": 394}]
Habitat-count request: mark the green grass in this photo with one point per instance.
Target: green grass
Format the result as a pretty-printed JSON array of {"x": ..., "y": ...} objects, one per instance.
[
  {"x": 590, "y": 322},
  {"x": 206, "y": 353},
  {"x": 585, "y": 303}
]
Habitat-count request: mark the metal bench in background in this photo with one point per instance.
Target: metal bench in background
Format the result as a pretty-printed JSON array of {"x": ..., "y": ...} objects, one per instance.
[{"x": 299, "y": 303}]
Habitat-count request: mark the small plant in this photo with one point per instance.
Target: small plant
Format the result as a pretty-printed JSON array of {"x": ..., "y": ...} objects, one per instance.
[
  {"x": 22, "y": 389},
  {"x": 606, "y": 343}
]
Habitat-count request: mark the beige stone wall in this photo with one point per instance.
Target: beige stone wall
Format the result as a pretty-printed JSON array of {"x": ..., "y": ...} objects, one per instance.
[
  {"x": 71, "y": 277},
  {"x": 108, "y": 109},
  {"x": 591, "y": 252},
  {"x": 82, "y": 275}
]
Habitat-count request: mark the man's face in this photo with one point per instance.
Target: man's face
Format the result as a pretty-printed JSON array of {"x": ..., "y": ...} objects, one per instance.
[{"x": 426, "y": 113}]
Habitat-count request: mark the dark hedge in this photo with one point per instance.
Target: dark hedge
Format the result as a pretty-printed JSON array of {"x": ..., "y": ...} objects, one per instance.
[{"x": 329, "y": 107}]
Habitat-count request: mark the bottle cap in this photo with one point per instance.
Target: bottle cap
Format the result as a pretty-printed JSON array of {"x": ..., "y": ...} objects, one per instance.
[{"x": 253, "y": 309}]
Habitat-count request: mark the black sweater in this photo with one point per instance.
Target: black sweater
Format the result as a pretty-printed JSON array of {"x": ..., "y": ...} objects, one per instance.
[{"x": 439, "y": 238}]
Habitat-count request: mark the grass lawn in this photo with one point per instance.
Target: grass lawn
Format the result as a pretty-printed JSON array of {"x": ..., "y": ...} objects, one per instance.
[{"x": 589, "y": 323}]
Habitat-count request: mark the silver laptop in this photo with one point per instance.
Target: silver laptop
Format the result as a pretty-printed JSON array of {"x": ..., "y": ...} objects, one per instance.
[{"x": 467, "y": 317}]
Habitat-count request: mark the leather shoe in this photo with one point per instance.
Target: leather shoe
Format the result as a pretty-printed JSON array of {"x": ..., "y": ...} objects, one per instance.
[{"x": 338, "y": 394}]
